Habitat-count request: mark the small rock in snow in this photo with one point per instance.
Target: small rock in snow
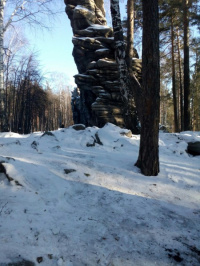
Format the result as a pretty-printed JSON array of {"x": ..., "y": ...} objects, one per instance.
[
  {"x": 39, "y": 259},
  {"x": 48, "y": 133},
  {"x": 68, "y": 171},
  {"x": 78, "y": 127},
  {"x": 127, "y": 133},
  {"x": 34, "y": 145},
  {"x": 60, "y": 262}
]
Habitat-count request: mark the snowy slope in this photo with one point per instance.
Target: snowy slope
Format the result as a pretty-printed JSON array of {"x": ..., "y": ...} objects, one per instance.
[{"x": 71, "y": 203}]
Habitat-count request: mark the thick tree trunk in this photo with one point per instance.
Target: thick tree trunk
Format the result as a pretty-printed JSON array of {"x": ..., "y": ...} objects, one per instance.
[
  {"x": 186, "y": 67},
  {"x": 148, "y": 159},
  {"x": 174, "y": 92}
]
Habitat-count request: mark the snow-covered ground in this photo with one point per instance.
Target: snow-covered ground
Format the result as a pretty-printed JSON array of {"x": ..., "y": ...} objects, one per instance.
[{"x": 71, "y": 203}]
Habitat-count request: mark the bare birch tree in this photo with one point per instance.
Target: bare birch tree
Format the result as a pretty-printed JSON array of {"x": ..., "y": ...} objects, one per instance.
[{"x": 31, "y": 12}]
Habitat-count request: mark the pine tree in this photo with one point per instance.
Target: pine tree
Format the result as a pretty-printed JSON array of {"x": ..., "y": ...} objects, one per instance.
[
  {"x": 147, "y": 96},
  {"x": 148, "y": 159},
  {"x": 181, "y": 15}
]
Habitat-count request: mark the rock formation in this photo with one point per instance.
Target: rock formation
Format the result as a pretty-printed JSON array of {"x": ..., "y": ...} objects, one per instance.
[{"x": 100, "y": 99}]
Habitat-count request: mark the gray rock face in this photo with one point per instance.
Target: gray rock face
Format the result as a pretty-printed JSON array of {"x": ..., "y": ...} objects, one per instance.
[{"x": 99, "y": 99}]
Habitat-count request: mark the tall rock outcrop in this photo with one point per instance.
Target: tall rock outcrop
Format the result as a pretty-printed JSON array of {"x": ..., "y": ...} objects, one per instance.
[{"x": 99, "y": 99}]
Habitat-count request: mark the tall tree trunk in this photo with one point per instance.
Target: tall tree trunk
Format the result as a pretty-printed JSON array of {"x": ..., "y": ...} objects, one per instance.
[
  {"x": 195, "y": 97},
  {"x": 22, "y": 107},
  {"x": 148, "y": 159},
  {"x": 130, "y": 32},
  {"x": 176, "y": 127},
  {"x": 186, "y": 67},
  {"x": 130, "y": 120},
  {"x": 2, "y": 113},
  {"x": 27, "y": 111},
  {"x": 180, "y": 82}
]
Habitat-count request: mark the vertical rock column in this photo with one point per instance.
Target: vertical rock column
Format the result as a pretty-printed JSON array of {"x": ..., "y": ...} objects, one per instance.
[{"x": 100, "y": 99}]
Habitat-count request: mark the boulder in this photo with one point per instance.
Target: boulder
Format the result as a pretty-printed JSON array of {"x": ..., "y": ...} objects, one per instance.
[
  {"x": 68, "y": 171},
  {"x": 194, "y": 148},
  {"x": 78, "y": 127}
]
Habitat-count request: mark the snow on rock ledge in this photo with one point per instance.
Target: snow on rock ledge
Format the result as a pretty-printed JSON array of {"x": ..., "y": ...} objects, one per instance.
[{"x": 95, "y": 60}]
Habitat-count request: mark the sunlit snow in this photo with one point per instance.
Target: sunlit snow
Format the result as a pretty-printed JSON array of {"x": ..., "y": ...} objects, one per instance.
[{"x": 71, "y": 204}]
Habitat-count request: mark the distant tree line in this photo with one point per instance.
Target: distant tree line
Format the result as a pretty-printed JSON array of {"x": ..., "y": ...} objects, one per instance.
[
  {"x": 179, "y": 44},
  {"x": 29, "y": 104},
  {"x": 179, "y": 25},
  {"x": 26, "y": 104}
]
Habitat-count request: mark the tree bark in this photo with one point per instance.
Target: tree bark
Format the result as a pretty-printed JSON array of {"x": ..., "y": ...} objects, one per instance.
[
  {"x": 186, "y": 67},
  {"x": 176, "y": 124},
  {"x": 130, "y": 32},
  {"x": 2, "y": 113},
  {"x": 180, "y": 82},
  {"x": 148, "y": 159}
]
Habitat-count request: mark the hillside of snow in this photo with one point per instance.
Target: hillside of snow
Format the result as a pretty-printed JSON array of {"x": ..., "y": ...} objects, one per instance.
[{"x": 74, "y": 198}]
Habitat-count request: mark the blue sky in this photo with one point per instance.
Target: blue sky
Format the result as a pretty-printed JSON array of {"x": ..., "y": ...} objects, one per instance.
[{"x": 54, "y": 47}]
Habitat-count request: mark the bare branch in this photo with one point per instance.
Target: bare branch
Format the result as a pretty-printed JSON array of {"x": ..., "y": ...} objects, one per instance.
[{"x": 32, "y": 12}]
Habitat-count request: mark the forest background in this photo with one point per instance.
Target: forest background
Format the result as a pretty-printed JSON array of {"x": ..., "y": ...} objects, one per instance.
[{"x": 38, "y": 66}]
